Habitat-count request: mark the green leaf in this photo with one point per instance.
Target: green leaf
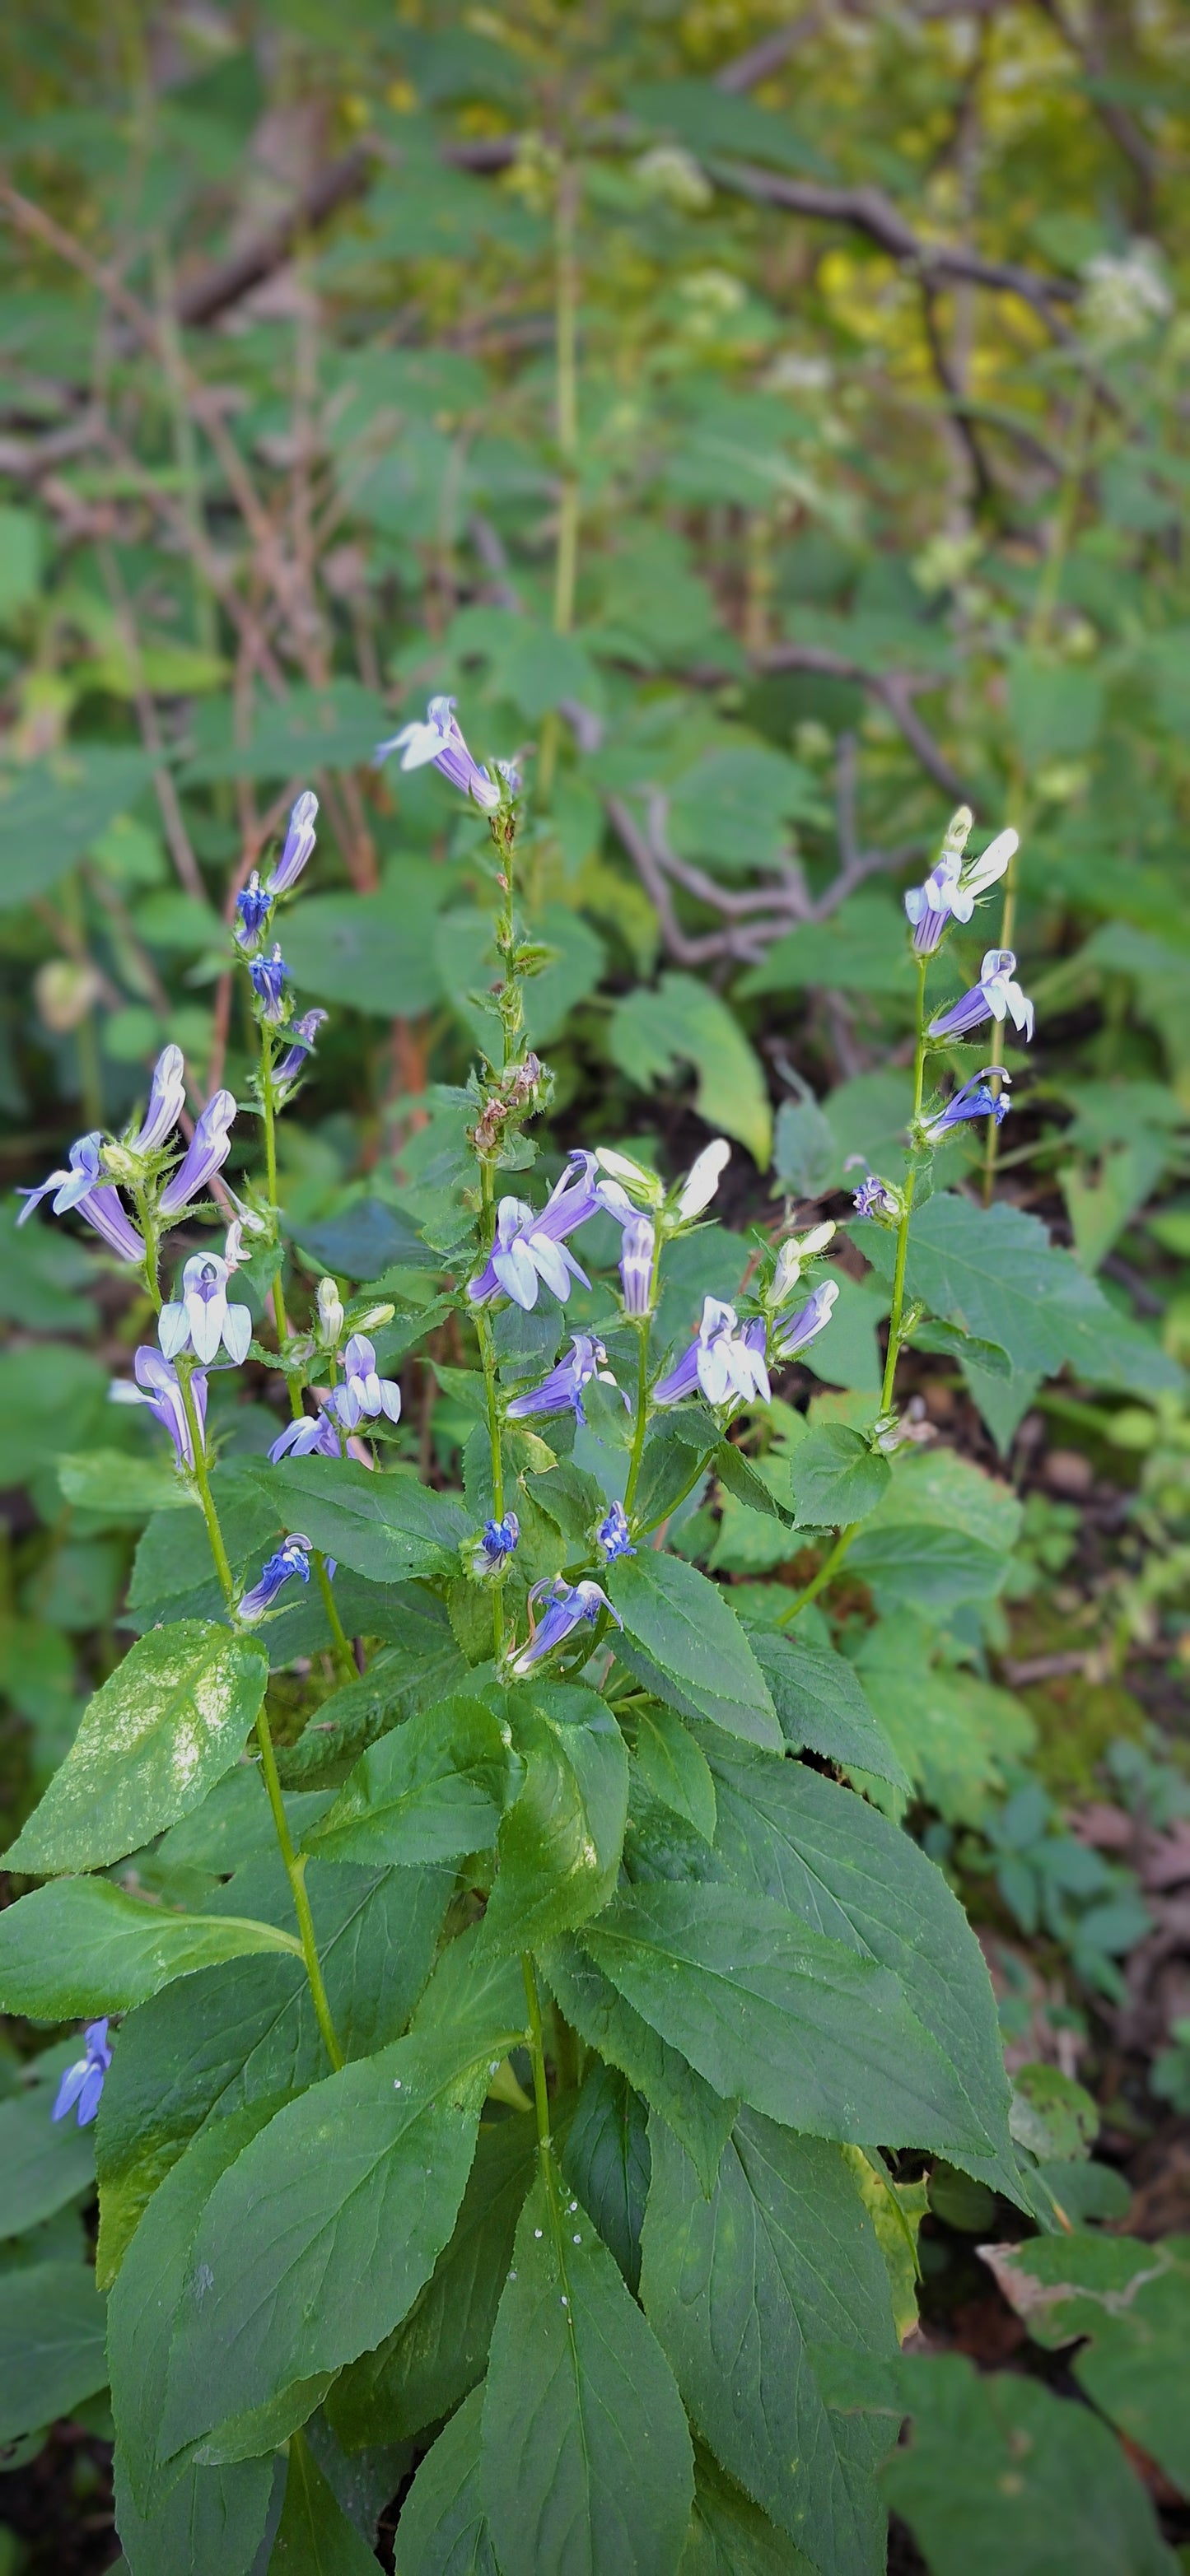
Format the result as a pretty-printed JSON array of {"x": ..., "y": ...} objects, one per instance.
[
  {"x": 800, "y": 2026},
  {"x": 852, "y": 1875},
  {"x": 372, "y": 951},
  {"x": 120, "y": 1491},
  {"x": 443, "y": 2530},
  {"x": 167, "y": 1725},
  {"x": 1132, "y": 2303},
  {"x": 729, "y": 2535},
  {"x": 316, "y": 2242},
  {"x": 51, "y": 2344},
  {"x": 737, "y": 1474},
  {"x": 998, "y": 2473},
  {"x": 821, "y": 1707},
  {"x": 734, "y": 805},
  {"x": 432, "y": 1790},
  {"x": 81, "y": 1946},
  {"x": 314, "y": 2536},
  {"x": 384, "y": 1525},
  {"x": 837, "y": 1478},
  {"x": 955, "y": 1733},
  {"x": 423, "y": 1665},
  {"x": 605, "y": 2159},
  {"x": 53, "y": 811},
  {"x": 587, "y": 2466},
  {"x": 248, "y": 2032},
  {"x": 682, "y": 1639},
  {"x": 50, "y": 1398},
  {"x": 560, "y": 1840},
  {"x": 740, "y": 2289},
  {"x": 336, "y": 727},
  {"x": 651, "y": 1033},
  {"x": 696, "y": 2113},
  {"x": 211, "y": 2523},
  {"x": 430, "y": 2361},
  {"x": 674, "y": 1768},
  {"x": 1054, "y": 708},
  {"x": 44, "y": 2163},
  {"x": 995, "y": 1273},
  {"x": 861, "y": 948}
]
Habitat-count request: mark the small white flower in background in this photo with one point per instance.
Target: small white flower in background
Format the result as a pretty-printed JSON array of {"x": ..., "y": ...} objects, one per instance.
[
  {"x": 703, "y": 1178},
  {"x": 673, "y": 174},
  {"x": 1123, "y": 297},
  {"x": 200, "y": 1320}
]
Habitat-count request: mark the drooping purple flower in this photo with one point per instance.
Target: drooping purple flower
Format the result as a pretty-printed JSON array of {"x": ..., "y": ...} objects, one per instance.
[
  {"x": 84, "y": 1188},
  {"x": 638, "y": 1248},
  {"x": 205, "y": 1155},
  {"x": 570, "y": 1605},
  {"x": 614, "y": 1534},
  {"x": 299, "y": 841},
  {"x": 302, "y": 1035},
  {"x": 562, "y": 1390},
  {"x": 200, "y": 1319},
  {"x": 995, "y": 996},
  {"x": 292, "y": 1557},
  {"x": 794, "y": 1332},
  {"x": 83, "y": 2082},
  {"x": 253, "y": 906},
  {"x": 500, "y": 1540},
  {"x": 440, "y": 740},
  {"x": 167, "y": 1099},
  {"x": 269, "y": 979},
  {"x": 723, "y": 1363},
  {"x": 953, "y": 885},
  {"x": 157, "y": 1386},
  {"x": 975, "y": 1100},
  {"x": 299, "y": 1439},
  {"x": 531, "y": 1247},
  {"x": 364, "y": 1393},
  {"x": 874, "y": 1198}
]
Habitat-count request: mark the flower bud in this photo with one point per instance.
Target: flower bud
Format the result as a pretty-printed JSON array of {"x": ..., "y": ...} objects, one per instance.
[{"x": 331, "y": 1317}]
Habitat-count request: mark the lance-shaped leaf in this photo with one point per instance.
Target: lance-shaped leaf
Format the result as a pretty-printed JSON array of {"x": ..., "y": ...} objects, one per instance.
[
  {"x": 432, "y": 1790},
  {"x": 82, "y": 1946},
  {"x": 386, "y": 1526},
  {"x": 822, "y": 1707},
  {"x": 696, "y": 2113},
  {"x": 314, "y": 2537},
  {"x": 51, "y": 2344},
  {"x": 739, "y": 2290},
  {"x": 560, "y": 1840},
  {"x": 167, "y": 1725},
  {"x": 729, "y": 2535},
  {"x": 681, "y": 1638},
  {"x": 800, "y": 2027},
  {"x": 316, "y": 2242},
  {"x": 674, "y": 1768},
  {"x": 606, "y": 2161},
  {"x": 211, "y": 2523},
  {"x": 587, "y": 2465},
  {"x": 443, "y": 2530}
]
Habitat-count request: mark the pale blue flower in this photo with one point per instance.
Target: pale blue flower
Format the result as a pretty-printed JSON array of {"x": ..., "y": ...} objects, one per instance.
[
  {"x": 562, "y": 1390},
  {"x": 724, "y": 1363},
  {"x": 83, "y": 2082},
  {"x": 637, "y": 1254},
  {"x": 83, "y": 1187},
  {"x": 299, "y": 1439},
  {"x": 500, "y": 1540},
  {"x": 157, "y": 1386},
  {"x": 953, "y": 885},
  {"x": 364, "y": 1393},
  {"x": 301, "y": 1034},
  {"x": 292, "y": 1557},
  {"x": 570, "y": 1605},
  {"x": 167, "y": 1099},
  {"x": 996, "y": 996},
  {"x": 201, "y": 1320},
  {"x": 530, "y": 1247},
  {"x": 205, "y": 1155},
  {"x": 793, "y": 1333},
  {"x": 614, "y": 1534},
  {"x": 975, "y": 1100},
  {"x": 299, "y": 841},
  {"x": 440, "y": 740}
]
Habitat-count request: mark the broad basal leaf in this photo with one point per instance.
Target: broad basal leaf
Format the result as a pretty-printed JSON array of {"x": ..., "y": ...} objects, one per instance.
[
  {"x": 799, "y": 2026},
  {"x": 81, "y": 1946},
  {"x": 431, "y": 1790},
  {"x": 314, "y": 2537},
  {"x": 51, "y": 2344},
  {"x": 211, "y": 2523},
  {"x": 560, "y": 1840},
  {"x": 587, "y": 2467},
  {"x": 605, "y": 2159},
  {"x": 167, "y": 1725},
  {"x": 696, "y": 2113},
  {"x": 740, "y": 2289},
  {"x": 683, "y": 1640}
]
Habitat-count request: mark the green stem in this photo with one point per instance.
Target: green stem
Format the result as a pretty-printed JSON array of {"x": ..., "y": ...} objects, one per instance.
[
  {"x": 343, "y": 1654},
  {"x": 295, "y": 1871},
  {"x": 898, "y": 1294},
  {"x": 185, "y": 1369},
  {"x": 826, "y": 1572},
  {"x": 149, "y": 1231},
  {"x": 269, "y": 1112},
  {"x": 642, "y": 1412},
  {"x": 537, "y": 2053}
]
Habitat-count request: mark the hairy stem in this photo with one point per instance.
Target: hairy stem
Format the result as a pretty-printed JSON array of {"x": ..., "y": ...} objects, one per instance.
[
  {"x": 898, "y": 1294},
  {"x": 269, "y": 1112}
]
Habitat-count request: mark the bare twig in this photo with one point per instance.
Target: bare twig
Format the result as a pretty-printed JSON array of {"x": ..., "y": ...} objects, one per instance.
[
  {"x": 210, "y": 294},
  {"x": 762, "y": 59},
  {"x": 868, "y": 211}
]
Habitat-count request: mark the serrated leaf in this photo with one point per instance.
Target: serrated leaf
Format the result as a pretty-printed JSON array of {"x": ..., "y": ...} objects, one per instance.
[
  {"x": 386, "y": 1526},
  {"x": 729, "y": 2535},
  {"x": 211, "y": 2523},
  {"x": 798, "y": 2025},
  {"x": 684, "y": 1022},
  {"x": 696, "y": 2113},
  {"x": 152, "y": 1741},
  {"x": 559, "y": 1845},
  {"x": 80, "y": 1946},
  {"x": 587, "y": 2466},
  {"x": 431, "y": 1790},
  {"x": 740, "y": 2289},
  {"x": 674, "y": 1767},
  {"x": 822, "y": 1708},
  {"x": 605, "y": 2159},
  {"x": 52, "y": 2351},
  {"x": 119, "y": 1490},
  {"x": 443, "y": 2530},
  {"x": 683, "y": 1640},
  {"x": 836, "y": 1478},
  {"x": 739, "y": 1476}
]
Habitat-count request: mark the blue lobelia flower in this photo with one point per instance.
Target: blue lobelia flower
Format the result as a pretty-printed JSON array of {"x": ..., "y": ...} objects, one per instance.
[
  {"x": 83, "y": 2082},
  {"x": 874, "y": 1198},
  {"x": 794, "y": 1332},
  {"x": 562, "y": 1390},
  {"x": 253, "y": 906},
  {"x": 299, "y": 841},
  {"x": 157, "y": 1386},
  {"x": 723, "y": 1363},
  {"x": 440, "y": 740},
  {"x": 953, "y": 885},
  {"x": 201, "y": 1320},
  {"x": 531, "y": 1247},
  {"x": 299, "y": 1439},
  {"x": 205, "y": 1155},
  {"x": 638, "y": 1249},
  {"x": 995, "y": 996},
  {"x": 167, "y": 1099},
  {"x": 269, "y": 979},
  {"x": 570, "y": 1605},
  {"x": 614, "y": 1535},
  {"x": 364, "y": 1392},
  {"x": 83, "y": 1187},
  {"x": 500, "y": 1540},
  {"x": 301, "y": 1035},
  {"x": 975, "y": 1100},
  {"x": 292, "y": 1557}
]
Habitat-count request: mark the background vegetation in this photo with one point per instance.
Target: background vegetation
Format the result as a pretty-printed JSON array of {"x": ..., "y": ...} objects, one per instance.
[{"x": 777, "y": 426}]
